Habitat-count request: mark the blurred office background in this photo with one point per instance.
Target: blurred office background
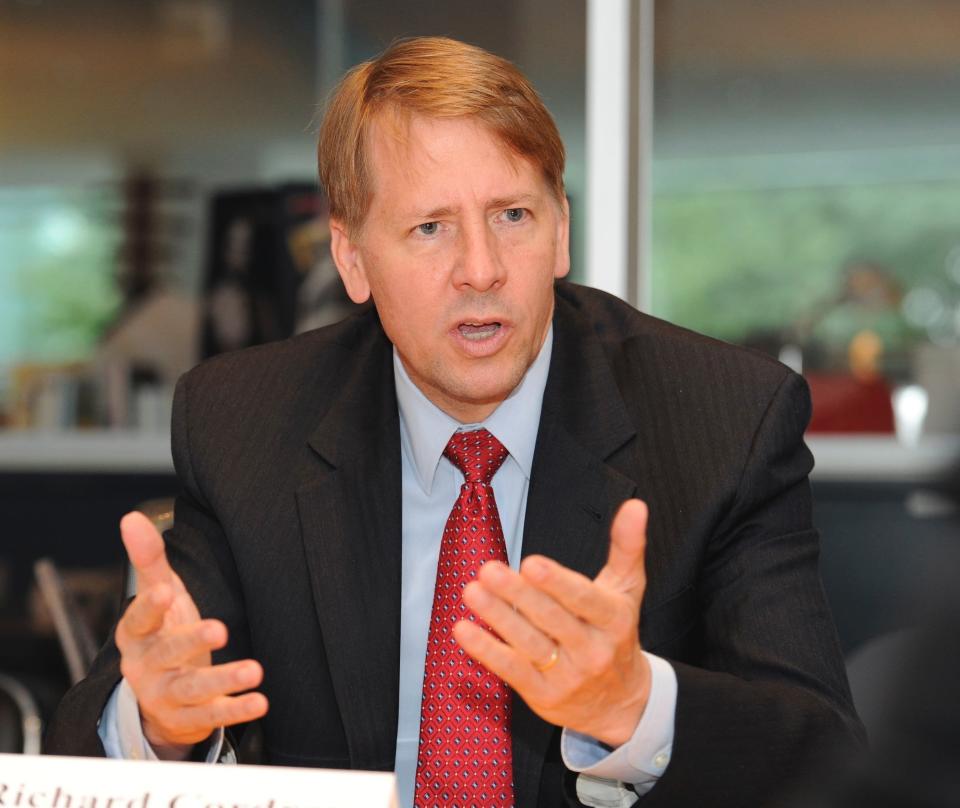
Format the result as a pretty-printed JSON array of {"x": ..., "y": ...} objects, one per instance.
[{"x": 788, "y": 179}]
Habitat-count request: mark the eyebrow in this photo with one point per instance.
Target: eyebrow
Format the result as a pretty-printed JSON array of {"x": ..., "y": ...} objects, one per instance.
[
  {"x": 436, "y": 213},
  {"x": 498, "y": 202}
]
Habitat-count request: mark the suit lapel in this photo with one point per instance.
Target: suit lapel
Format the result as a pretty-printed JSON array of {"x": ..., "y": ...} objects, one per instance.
[
  {"x": 351, "y": 527},
  {"x": 573, "y": 492}
]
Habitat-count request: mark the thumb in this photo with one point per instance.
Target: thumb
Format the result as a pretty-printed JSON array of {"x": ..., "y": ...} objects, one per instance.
[
  {"x": 146, "y": 551},
  {"x": 624, "y": 570}
]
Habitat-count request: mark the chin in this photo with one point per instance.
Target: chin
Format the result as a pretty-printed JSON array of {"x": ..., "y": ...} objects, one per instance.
[{"x": 489, "y": 388}]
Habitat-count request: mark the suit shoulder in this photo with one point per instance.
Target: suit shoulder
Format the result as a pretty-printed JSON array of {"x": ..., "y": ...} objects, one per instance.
[
  {"x": 252, "y": 410},
  {"x": 320, "y": 351},
  {"x": 625, "y": 332}
]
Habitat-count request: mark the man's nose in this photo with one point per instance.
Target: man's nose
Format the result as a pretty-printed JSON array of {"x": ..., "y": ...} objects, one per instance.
[{"x": 479, "y": 264}]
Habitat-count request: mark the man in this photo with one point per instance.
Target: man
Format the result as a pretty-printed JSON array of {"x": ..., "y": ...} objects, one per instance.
[{"x": 342, "y": 491}]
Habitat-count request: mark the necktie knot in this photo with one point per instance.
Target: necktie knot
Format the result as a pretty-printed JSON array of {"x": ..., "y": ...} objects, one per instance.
[{"x": 478, "y": 454}]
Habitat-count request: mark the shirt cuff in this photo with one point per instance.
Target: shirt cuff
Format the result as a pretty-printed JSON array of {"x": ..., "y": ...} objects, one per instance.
[
  {"x": 122, "y": 735},
  {"x": 642, "y": 759}
]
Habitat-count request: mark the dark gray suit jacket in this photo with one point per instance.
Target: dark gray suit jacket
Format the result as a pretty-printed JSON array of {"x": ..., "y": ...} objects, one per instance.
[{"x": 288, "y": 530}]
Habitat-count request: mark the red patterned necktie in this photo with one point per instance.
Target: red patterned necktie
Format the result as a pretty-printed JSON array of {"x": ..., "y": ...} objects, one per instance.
[{"x": 464, "y": 757}]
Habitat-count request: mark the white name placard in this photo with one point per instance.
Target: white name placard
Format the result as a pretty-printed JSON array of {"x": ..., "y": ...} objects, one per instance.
[{"x": 28, "y": 781}]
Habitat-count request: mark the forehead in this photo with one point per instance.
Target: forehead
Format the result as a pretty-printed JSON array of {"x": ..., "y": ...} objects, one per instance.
[{"x": 414, "y": 153}]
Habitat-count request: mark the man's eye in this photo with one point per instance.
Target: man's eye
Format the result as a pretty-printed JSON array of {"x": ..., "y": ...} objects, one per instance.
[
  {"x": 514, "y": 214},
  {"x": 428, "y": 228}
]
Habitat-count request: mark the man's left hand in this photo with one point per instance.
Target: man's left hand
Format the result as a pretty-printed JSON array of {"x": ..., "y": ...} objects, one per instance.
[{"x": 568, "y": 645}]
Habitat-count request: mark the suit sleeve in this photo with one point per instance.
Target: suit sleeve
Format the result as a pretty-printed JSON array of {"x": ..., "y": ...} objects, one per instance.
[
  {"x": 198, "y": 550},
  {"x": 769, "y": 699}
]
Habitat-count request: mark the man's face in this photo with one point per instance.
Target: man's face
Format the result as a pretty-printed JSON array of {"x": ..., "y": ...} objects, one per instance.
[{"x": 459, "y": 250}]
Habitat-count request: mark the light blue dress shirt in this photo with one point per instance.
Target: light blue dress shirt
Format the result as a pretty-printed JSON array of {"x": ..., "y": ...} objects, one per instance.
[{"x": 430, "y": 486}]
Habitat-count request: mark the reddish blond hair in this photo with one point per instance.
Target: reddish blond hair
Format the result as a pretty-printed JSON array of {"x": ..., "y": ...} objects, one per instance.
[{"x": 438, "y": 78}]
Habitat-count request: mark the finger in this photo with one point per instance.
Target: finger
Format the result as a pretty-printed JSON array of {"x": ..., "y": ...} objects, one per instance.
[
  {"x": 205, "y": 684},
  {"x": 544, "y": 612},
  {"x": 146, "y": 551},
  {"x": 573, "y": 592},
  {"x": 624, "y": 569},
  {"x": 145, "y": 613},
  {"x": 179, "y": 645},
  {"x": 498, "y": 658},
  {"x": 223, "y": 711},
  {"x": 511, "y": 626}
]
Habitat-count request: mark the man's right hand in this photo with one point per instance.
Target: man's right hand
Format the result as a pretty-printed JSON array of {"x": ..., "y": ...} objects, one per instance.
[{"x": 165, "y": 654}]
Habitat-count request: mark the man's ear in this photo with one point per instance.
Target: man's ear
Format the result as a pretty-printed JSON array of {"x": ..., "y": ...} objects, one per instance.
[
  {"x": 346, "y": 255},
  {"x": 562, "y": 266}
]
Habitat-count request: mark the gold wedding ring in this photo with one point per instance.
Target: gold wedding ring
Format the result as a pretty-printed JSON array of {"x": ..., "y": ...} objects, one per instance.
[{"x": 544, "y": 667}]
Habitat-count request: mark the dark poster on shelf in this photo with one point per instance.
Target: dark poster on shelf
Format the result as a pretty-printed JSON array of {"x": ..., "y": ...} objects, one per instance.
[{"x": 269, "y": 273}]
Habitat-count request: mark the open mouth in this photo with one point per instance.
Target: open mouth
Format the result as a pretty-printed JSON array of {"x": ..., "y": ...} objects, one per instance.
[{"x": 476, "y": 332}]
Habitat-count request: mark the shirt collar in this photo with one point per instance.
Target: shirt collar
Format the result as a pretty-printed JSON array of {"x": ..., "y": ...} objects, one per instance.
[{"x": 425, "y": 429}]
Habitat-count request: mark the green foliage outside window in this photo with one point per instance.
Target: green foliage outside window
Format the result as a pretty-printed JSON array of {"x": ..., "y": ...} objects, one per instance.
[
  {"x": 736, "y": 263},
  {"x": 58, "y": 263}
]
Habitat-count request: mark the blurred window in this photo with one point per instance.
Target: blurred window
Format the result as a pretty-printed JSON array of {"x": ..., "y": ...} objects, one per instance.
[
  {"x": 807, "y": 193},
  {"x": 132, "y": 117}
]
